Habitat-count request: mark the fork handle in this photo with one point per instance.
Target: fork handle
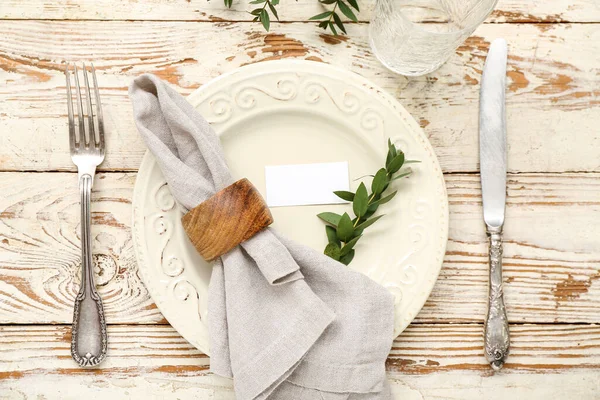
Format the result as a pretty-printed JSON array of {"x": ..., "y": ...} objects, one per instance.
[
  {"x": 496, "y": 336},
  {"x": 88, "y": 339}
]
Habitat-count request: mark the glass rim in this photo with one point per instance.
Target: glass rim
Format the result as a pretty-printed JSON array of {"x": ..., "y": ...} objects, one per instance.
[{"x": 471, "y": 27}]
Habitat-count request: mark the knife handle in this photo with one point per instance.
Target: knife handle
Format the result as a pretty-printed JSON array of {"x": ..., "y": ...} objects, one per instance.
[{"x": 496, "y": 336}]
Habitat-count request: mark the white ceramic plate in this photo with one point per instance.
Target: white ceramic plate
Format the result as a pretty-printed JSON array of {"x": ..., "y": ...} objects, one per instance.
[{"x": 294, "y": 112}]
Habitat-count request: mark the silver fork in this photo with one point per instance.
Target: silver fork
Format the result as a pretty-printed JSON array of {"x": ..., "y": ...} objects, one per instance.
[{"x": 89, "y": 339}]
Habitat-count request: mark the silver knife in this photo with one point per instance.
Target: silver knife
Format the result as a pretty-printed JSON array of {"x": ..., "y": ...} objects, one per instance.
[{"x": 492, "y": 157}]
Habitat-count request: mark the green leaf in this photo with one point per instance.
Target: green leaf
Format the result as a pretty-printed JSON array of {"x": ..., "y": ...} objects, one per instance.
[
  {"x": 347, "y": 11},
  {"x": 411, "y": 162},
  {"x": 354, "y": 4},
  {"x": 257, "y": 1},
  {"x": 345, "y": 230},
  {"x": 265, "y": 19},
  {"x": 333, "y": 250},
  {"x": 330, "y": 218},
  {"x": 361, "y": 200},
  {"x": 396, "y": 163},
  {"x": 372, "y": 207},
  {"x": 385, "y": 199},
  {"x": 320, "y": 16},
  {"x": 339, "y": 22},
  {"x": 275, "y": 2},
  {"x": 332, "y": 27},
  {"x": 368, "y": 215},
  {"x": 327, "y": 1},
  {"x": 368, "y": 223},
  {"x": 379, "y": 182},
  {"x": 349, "y": 246},
  {"x": 323, "y": 24},
  {"x": 344, "y": 195},
  {"x": 392, "y": 152},
  {"x": 228, "y": 3},
  {"x": 331, "y": 235},
  {"x": 347, "y": 259},
  {"x": 373, "y": 200},
  {"x": 402, "y": 175},
  {"x": 256, "y": 11},
  {"x": 389, "y": 158},
  {"x": 254, "y": 19},
  {"x": 273, "y": 10}
]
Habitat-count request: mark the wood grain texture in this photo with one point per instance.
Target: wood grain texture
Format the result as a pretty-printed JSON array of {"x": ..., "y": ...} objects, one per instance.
[
  {"x": 551, "y": 252},
  {"x": 553, "y": 104},
  {"x": 228, "y": 218},
  {"x": 427, "y": 361},
  {"x": 40, "y": 249},
  {"x": 300, "y": 10}
]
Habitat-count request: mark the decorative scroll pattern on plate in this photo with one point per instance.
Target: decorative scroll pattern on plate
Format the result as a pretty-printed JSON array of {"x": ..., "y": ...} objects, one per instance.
[
  {"x": 294, "y": 89},
  {"x": 171, "y": 264}
]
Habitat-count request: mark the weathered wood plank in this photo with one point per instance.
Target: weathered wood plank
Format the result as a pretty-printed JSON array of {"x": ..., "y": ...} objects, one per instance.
[
  {"x": 552, "y": 264},
  {"x": 300, "y": 10},
  {"x": 426, "y": 362},
  {"x": 443, "y": 386},
  {"x": 551, "y": 255},
  {"x": 40, "y": 249},
  {"x": 553, "y": 95}
]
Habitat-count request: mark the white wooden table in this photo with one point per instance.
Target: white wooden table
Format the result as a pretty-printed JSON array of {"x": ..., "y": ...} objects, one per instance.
[{"x": 552, "y": 237}]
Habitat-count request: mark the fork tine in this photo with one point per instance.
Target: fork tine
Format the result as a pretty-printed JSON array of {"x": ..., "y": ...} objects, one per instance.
[
  {"x": 98, "y": 109},
  {"x": 90, "y": 112},
  {"x": 82, "y": 136},
  {"x": 72, "y": 138}
]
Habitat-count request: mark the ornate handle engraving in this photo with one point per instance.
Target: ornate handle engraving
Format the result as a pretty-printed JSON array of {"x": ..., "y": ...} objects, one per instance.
[
  {"x": 88, "y": 336},
  {"x": 496, "y": 335}
]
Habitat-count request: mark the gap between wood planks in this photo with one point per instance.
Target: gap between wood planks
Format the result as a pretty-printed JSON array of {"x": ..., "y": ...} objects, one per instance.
[
  {"x": 291, "y": 21},
  {"x": 124, "y": 170},
  {"x": 414, "y": 323},
  {"x": 505, "y": 11}
]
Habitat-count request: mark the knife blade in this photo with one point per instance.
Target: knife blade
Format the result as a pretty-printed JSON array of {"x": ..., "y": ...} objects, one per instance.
[
  {"x": 493, "y": 167},
  {"x": 492, "y": 134}
]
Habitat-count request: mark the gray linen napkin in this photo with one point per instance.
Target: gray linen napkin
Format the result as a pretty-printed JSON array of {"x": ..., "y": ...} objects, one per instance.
[{"x": 285, "y": 321}]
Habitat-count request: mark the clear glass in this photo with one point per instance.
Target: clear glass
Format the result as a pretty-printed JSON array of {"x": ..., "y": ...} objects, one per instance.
[{"x": 415, "y": 37}]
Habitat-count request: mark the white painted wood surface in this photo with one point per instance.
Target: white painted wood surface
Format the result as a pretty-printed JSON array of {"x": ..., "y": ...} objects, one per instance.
[
  {"x": 553, "y": 97},
  {"x": 426, "y": 362},
  {"x": 552, "y": 250}
]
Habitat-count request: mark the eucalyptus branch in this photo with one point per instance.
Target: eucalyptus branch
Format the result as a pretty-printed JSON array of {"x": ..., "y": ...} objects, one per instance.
[
  {"x": 343, "y": 232},
  {"x": 261, "y": 14},
  {"x": 332, "y": 17}
]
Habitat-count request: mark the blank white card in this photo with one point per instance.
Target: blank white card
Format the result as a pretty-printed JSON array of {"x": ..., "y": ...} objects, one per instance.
[{"x": 305, "y": 184}]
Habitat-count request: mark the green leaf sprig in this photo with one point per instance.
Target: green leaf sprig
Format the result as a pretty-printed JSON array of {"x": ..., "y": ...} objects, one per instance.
[
  {"x": 343, "y": 232},
  {"x": 261, "y": 14},
  {"x": 331, "y": 19}
]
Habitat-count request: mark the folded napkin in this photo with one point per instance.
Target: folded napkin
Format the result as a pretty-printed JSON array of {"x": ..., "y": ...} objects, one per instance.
[{"x": 285, "y": 321}]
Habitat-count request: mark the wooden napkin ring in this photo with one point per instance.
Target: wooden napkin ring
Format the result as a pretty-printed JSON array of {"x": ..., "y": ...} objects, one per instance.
[{"x": 231, "y": 216}]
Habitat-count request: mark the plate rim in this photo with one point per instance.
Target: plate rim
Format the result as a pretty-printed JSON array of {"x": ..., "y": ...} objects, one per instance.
[{"x": 138, "y": 234}]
